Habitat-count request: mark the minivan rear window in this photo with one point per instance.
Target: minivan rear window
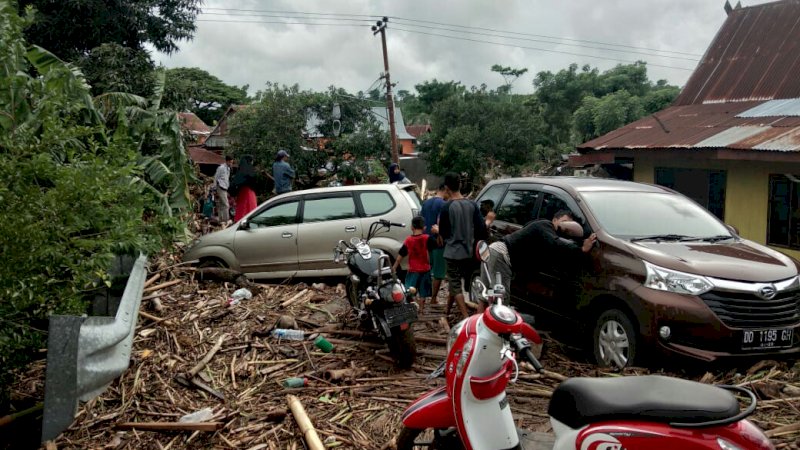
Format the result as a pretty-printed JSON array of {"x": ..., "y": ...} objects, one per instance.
[{"x": 639, "y": 214}]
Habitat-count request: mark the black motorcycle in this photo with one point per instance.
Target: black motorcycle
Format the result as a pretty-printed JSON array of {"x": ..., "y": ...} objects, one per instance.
[{"x": 378, "y": 298}]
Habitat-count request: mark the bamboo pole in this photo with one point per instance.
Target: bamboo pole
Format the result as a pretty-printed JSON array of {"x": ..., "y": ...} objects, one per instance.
[
  {"x": 306, "y": 427},
  {"x": 196, "y": 369}
]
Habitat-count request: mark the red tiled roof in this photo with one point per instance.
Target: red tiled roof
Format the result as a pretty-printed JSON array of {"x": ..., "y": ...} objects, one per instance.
[
  {"x": 418, "y": 130},
  {"x": 754, "y": 56},
  {"x": 190, "y": 121},
  {"x": 203, "y": 156}
]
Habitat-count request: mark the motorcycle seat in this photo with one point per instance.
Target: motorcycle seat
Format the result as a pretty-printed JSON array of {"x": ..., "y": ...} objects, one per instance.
[{"x": 652, "y": 398}]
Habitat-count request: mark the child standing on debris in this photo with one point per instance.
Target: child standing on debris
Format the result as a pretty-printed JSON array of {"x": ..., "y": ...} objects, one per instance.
[{"x": 416, "y": 247}]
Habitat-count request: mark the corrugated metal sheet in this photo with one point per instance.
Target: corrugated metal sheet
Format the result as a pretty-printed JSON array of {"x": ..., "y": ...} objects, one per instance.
[
  {"x": 754, "y": 56},
  {"x": 730, "y": 136},
  {"x": 704, "y": 126},
  {"x": 774, "y": 108},
  {"x": 382, "y": 116}
]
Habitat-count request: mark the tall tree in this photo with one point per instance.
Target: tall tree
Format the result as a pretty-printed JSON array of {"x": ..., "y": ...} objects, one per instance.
[
  {"x": 510, "y": 75},
  {"x": 114, "y": 68},
  {"x": 72, "y": 28},
  {"x": 193, "y": 89}
]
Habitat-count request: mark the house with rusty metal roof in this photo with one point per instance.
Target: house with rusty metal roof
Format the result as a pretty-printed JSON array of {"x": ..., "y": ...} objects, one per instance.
[{"x": 731, "y": 139}]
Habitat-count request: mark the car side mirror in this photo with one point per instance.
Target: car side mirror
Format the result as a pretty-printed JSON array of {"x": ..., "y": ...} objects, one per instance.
[
  {"x": 732, "y": 229},
  {"x": 244, "y": 225}
]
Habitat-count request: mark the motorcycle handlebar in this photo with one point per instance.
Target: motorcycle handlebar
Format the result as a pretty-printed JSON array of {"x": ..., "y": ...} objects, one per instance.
[
  {"x": 528, "y": 354},
  {"x": 395, "y": 224}
]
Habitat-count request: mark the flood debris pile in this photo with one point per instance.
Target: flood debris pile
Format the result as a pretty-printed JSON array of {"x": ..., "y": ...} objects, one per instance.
[{"x": 209, "y": 371}]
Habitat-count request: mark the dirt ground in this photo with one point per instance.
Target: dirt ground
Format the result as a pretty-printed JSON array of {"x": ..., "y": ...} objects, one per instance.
[{"x": 354, "y": 396}]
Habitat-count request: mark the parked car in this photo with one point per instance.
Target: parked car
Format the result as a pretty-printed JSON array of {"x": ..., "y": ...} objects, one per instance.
[
  {"x": 666, "y": 274},
  {"x": 294, "y": 234}
]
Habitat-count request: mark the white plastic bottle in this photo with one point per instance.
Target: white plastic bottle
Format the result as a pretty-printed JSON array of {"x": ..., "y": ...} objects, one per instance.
[{"x": 291, "y": 335}]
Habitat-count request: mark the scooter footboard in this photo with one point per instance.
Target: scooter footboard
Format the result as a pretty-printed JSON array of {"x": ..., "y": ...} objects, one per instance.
[{"x": 434, "y": 410}]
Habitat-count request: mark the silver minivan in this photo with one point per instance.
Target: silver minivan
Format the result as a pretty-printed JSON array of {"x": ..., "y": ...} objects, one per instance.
[{"x": 294, "y": 234}]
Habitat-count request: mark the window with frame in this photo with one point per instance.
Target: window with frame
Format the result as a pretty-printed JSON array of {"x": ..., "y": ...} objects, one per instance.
[
  {"x": 376, "y": 203},
  {"x": 329, "y": 208},
  {"x": 283, "y": 214},
  {"x": 518, "y": 206},
  {"x": 784, "y": 211},
  {"x": 551, "y": 204},
  {"x": 492, "y": 196}
]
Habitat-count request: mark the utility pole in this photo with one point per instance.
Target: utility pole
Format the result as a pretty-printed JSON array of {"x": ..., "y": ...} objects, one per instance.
[{"x": 380, "y": 27}]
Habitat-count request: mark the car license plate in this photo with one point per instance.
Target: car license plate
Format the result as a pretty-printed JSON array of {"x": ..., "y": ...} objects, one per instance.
[{"x": 766, "y": 339}]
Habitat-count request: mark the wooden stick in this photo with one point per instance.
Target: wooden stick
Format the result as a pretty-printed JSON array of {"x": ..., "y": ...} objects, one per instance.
[
  {"x": 12, "y": 417},
  {"x": 196, "y": 369},
  {"x": 152, "y": 279},
  {"x": 294, "y": 298},
  {"x": 786, "y": 429},
  {"x": 306, "y": 427},
  {"x": 151, "y": 317},
  {"x": 170, "y": 426},
  {"x": 163, "y": 285}
]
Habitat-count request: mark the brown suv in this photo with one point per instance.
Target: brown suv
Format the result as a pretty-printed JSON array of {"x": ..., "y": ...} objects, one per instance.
[{"x": 666, "y": 274}]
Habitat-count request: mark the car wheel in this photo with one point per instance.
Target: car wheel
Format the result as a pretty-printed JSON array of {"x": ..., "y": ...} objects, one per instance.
[
  {"x": 213, "y": 262},
  {"x": 615, "y": 339}
]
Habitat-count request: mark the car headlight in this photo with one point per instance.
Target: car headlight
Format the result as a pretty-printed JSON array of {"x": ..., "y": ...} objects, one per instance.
[{"x": 662, "y": 279}]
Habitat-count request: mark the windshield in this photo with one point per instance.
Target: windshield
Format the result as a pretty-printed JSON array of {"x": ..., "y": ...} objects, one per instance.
[{"x": 641, "y": 214}]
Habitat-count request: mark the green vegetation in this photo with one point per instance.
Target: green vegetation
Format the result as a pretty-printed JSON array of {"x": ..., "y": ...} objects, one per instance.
[{"x": 82, "y": 178}]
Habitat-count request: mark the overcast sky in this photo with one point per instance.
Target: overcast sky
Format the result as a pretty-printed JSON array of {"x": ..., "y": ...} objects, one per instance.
[{"x": 344, "y": 52}]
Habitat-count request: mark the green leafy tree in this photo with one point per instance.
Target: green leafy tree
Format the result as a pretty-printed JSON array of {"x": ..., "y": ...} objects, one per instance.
[
  {"x": 76, "y": 189},
  {"x": 509, "y": 74},
  {"x": 114, "y": 68},
  {"x": 72, "y": 28},
  {"x": 193, "y": 89}
]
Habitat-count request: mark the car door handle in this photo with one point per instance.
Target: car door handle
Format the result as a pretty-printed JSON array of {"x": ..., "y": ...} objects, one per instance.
[
  {"x": 287, "y": 235},
  {"x": 350, "y": 229}
]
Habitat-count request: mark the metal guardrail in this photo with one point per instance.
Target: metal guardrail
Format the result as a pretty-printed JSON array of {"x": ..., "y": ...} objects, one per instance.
[{"x": 84, "y": 354}]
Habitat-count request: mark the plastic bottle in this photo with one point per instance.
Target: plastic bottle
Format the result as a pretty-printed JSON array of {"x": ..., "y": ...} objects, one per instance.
[
  {"x": 295, "y": 382},
  {"x": 291, "y": 335},
  {"x": 239, "y": 295}
]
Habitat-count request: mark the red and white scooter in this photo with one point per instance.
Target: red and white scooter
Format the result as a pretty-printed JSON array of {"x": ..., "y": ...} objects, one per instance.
[{"x": 645, "y": 412}]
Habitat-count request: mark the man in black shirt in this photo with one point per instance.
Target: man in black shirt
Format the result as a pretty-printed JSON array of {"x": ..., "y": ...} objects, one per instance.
[
  {"x": 539, "y": 242},
  {"x": 461, "y": 225}
]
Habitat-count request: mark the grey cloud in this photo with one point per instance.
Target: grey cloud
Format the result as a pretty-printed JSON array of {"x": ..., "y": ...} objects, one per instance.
[{"x": 350, "y": 57}]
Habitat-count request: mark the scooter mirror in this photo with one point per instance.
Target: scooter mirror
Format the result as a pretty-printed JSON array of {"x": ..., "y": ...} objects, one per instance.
[
  {"x": 483, "y": 251},
  {"x": 478, "y": 289}
]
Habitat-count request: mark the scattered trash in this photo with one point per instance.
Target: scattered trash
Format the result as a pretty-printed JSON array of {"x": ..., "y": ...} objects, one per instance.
[
  {"x": 288, "y": 352},
  {"x": 202, "y": 415},
  {"x": 295, "y": 382},
  {"x": 239, "y": 295},
  {"x": 291, "y": 335},
  {"x": 319, "y": 286},
  {"x": 323, "y": 344}
]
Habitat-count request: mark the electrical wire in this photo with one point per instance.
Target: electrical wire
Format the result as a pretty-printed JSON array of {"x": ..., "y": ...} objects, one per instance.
[
  {"x": 456, "y": 38},
  {"x": 466, "y": 27},
  {"x": 539, "y": 49}
]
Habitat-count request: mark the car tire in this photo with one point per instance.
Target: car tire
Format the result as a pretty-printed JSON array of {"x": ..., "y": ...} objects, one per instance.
[
  {"x": 212, "y": 262},
  {"x": 615, "y": 340}
]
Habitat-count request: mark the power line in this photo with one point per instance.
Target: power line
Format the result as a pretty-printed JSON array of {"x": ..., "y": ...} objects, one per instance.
[
  {"x": 450, "y": 37},
  {"x": 405, "y": 19},
  {"x": 545, "y": 36},
  {"x": 537, "y": 48},
  {"x": 283, "y": 16}
]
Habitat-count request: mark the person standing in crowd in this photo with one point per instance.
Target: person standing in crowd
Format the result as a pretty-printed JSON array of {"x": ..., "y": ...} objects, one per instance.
[
  {"x": 222, "y": 179},
  {"x": 282, "y": 172},
  {"x": 396, "y": 175},
  {"x": 461, "y": 225},
  {"x": 242, "y": 186},
  {"x": 430, "y": 212},
  {"x": 416, "y": 247}
]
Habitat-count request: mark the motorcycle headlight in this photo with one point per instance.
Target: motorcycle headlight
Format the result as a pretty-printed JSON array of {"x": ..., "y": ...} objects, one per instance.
[
  {"x": 662, "y": 279},
  {"x": 454, "y": 332}
]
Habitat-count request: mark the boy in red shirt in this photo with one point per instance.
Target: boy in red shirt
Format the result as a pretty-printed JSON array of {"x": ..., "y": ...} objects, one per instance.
[{"x": 416, "y": 247}]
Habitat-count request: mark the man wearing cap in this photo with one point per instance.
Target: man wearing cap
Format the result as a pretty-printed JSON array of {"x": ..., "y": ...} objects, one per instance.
[{"x": 282, "y": 172}]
